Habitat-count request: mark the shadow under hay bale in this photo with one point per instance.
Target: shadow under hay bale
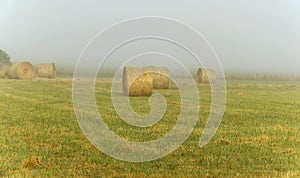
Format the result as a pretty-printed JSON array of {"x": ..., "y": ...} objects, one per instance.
[
  {"x": 22, "y": 71},
  {"x": 136, "y": 82},
  {"x": 160, "y": 76},
  {"x": 4, "y": 70},
  {"x": 47, "y": 70},
  {"x": 203, "y": 75}
]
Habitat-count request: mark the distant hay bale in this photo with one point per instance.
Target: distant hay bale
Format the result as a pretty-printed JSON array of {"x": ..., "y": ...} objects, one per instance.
[
  {"x": 160, "y": 76},
  {"x": 4, "y": 70},
  {"x": 136, "y": 82},
  {"x": 47, "y": 70},
  {"x": 22, "y": 71},
  {"x": 203, "y": 75},
  {"x": 2, "y": 74}
]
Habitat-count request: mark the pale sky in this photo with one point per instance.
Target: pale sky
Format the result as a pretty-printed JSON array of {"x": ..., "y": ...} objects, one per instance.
[{"x": 248, "y": 35}]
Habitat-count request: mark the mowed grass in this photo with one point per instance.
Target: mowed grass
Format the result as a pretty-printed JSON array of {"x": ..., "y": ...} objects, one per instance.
[{"x": 259, "y": 135}]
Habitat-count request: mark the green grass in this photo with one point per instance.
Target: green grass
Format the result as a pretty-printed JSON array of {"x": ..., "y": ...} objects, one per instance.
[{"x": 259, "y": 135}]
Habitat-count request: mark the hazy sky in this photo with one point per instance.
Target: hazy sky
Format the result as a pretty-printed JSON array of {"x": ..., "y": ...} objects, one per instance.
[{"x": 248, "y": 35}]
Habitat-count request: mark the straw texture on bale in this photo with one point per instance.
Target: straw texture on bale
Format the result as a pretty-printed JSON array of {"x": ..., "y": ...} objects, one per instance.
[
  {"x": 4, "y": 70},
  {"x": 136, "y": 82},
  {"x": 203, "y": 75},
  {"x": 22, "y": 71},
  {"x": 47, "y": 70},
  {"x": 160, "y": 76}
]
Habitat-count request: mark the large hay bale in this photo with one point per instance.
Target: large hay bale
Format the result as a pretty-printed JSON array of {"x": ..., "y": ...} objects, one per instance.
[
  {"x": 47, "y": 70},
  {"x": 21, "y": 70},
  {"x": 160, "y": 76},
  {"x": 4, "y": 70},
  {"x": 204, "y": 74},
  {"x": 136, "y": 82}
]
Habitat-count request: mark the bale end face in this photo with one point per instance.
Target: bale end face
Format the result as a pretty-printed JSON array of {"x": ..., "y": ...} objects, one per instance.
[
  {"x": 203, "y": 75},
  {"x": 47, "y": 70},
  {"x": 22, "y": 71}
]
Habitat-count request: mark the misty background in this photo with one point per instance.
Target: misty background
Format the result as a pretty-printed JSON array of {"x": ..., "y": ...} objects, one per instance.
[{"x": 251, "y": 36}]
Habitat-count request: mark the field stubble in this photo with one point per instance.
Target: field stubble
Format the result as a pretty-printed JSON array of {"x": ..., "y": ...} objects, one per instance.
[{"x": 259, "y": 135}]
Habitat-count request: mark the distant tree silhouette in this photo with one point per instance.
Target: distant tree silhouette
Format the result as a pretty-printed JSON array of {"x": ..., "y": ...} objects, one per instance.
[{"x": 4, "y": 58}]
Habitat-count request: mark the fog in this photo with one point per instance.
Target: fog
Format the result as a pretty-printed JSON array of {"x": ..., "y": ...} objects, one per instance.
[{"x": 248, "y": 36}]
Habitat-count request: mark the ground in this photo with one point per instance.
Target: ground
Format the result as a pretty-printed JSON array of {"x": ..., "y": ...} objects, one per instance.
[{"x": 259, "y": 135}]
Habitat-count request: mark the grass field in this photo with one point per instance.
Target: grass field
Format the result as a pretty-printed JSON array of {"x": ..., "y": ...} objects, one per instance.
[{"x": 259, "y": 135}]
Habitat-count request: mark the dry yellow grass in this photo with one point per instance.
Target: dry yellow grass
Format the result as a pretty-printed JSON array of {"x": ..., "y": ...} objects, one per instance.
[{"x": 32, "y": 162}]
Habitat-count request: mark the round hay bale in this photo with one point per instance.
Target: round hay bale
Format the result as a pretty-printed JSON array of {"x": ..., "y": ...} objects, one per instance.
[
  {"x": 136, "y": 82},
  {"x": 47, "y": 70},
  {"x": 4, "y": 68},
  {"x": 22, "y": 71},
  {"x": 2, "y": 74},
  {"x": 204, "y": 74},
  {"x": 160, "y": 76}
]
